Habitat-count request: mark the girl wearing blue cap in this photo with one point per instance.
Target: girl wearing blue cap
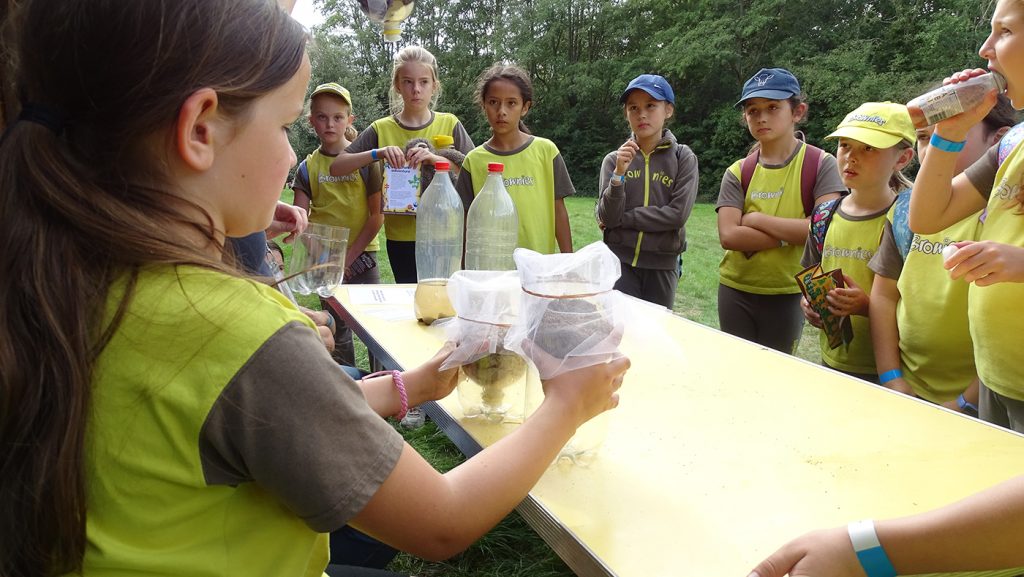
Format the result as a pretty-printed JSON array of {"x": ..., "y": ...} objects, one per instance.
[
  {"x": 763, "y": 205},
  {"x": 875, "y": 143},
  {"x": 648, "y": 187}
]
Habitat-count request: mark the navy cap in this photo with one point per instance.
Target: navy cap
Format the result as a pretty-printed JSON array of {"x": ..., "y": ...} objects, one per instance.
[
  {"x": 771, "y": 83},
  {"x": 652, "y": 84}
]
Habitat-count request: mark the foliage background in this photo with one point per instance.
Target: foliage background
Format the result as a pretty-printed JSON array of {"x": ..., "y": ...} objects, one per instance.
[{"x": 582, "y": 54}]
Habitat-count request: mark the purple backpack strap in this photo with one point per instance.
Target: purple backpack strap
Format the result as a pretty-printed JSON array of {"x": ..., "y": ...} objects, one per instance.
[
  {"x": 747, "y": 170},
  {"x": 809, "y": 177},
  {"x": 820, "y": 219}
]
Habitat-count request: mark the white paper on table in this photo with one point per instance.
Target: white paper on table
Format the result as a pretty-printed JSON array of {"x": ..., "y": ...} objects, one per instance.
[
  {"x": 378, "y": 295},
  {"x": 401, "y": 190}
]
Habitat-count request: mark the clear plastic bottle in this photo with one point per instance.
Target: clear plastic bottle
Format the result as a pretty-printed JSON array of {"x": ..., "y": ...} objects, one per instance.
[
  {"x": 952, "y": 99},
  {"x": 439, "y": 228},
  {"x": 492, "y": 225}
]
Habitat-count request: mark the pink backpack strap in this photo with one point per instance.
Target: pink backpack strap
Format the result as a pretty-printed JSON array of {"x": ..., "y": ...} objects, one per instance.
[
  {"x": 747, "y": 169},
  {"x": 809, "y": 177}
]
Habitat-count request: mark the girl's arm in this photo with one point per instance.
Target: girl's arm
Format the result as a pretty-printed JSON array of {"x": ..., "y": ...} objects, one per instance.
[
  {"x": 734, "y": 236},
  {"x": 563, "y": 235},
  {"x": 981, "y": 532},
  {"x": 939, "y": 200},
  {"x": 374, "y": 220},
  {"x": 791, "y": 230},
  {"x": 361, "y": 153},
  {"x": 674, "y": 214},
  {"x": 435, "y": 516},
  {"x": 885, "y": 333},
  {"x": 612, "y": 197}
]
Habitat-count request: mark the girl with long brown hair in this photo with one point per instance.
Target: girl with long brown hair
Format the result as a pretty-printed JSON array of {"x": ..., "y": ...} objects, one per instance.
[{"x": 159, "y": 414}]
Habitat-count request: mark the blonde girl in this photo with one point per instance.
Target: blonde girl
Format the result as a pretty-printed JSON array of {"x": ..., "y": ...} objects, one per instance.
[
  {"x": 161, "y": 415},
  {"x": 414, "y": 92},
  {"x": 994, "y": 265},
  {"x": 535, "y": 174},
  {"x": 875, "y": 144},
  {"x": 763, "y": 205}
]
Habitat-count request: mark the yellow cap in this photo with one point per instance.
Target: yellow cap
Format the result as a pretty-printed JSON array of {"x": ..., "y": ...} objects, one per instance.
[
  {"x": 335, "y": 89},
  {"x": 442, "y": 141},
  {"x": 878, "y": 124}
]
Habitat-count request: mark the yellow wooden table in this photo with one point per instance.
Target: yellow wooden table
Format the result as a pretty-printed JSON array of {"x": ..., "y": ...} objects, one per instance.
[{"x": 721, "y": 450}]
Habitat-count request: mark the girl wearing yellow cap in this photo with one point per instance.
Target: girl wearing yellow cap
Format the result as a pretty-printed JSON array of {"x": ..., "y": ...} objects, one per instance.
[{"x": 875, "y": 144}]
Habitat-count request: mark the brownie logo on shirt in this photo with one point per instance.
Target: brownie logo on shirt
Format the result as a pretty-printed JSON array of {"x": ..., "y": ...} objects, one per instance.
[
  {"x": 925, "y": 246},
  {"x": 322, "y": 178},
  {"x": 1005, "y": 190},
  {"x": 519, "y": 181},
  {"x": 766, "y": 195},
  {"x": 854, "y": 253}
]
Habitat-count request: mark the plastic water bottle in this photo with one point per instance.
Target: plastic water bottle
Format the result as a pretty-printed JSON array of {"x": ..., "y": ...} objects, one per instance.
[
  {"x": 439, "y": 228},
  {"x": 492, "y": 225},
  {"x": 952, "y": 99}
]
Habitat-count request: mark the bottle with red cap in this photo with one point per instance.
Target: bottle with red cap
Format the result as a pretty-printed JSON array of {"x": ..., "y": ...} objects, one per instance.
[
  {"x": 439, "y": 227},
  {"x": 492, "y": 225}
]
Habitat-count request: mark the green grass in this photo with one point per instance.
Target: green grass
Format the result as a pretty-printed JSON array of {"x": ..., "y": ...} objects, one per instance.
[{"x": 513, "y": 549}]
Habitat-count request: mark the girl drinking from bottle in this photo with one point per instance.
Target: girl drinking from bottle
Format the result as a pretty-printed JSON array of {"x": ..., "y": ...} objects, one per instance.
[
  {"x": 994, "y": 264},
  {"x": 415, "y": 90}
]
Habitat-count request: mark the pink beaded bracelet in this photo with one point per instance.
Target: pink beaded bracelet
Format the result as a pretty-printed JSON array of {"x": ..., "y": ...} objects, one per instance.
[{"x": 396, "y": 376}]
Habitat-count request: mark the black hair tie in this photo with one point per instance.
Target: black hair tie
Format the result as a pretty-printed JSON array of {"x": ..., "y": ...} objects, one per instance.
[{"x": 51, "y": 118}]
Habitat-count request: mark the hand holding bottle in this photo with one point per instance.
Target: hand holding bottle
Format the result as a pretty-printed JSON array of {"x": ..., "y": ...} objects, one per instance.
[{"x": 961, "y": 102}]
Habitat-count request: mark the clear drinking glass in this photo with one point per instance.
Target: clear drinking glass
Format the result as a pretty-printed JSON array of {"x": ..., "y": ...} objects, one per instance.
[{"x": 317, "y": 264}]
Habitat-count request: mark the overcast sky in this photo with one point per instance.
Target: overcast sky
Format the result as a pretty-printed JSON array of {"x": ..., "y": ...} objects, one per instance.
[{"x": 305, "y": 12}]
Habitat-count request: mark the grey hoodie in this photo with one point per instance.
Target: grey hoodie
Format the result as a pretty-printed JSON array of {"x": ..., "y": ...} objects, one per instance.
[{"x": 651, "y": 209}]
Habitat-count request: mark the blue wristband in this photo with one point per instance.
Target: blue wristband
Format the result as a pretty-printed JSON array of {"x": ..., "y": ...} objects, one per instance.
[
  {"x": 869, "y": 551},
  {"x": 963, "y": 403},
  {"x": 373, "y": 154},
  {"x": 889, "y": 375},
  {"x": 946, "y": 145}
]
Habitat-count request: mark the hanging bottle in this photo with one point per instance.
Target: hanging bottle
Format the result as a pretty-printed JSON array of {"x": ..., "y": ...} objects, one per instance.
[
  {"x": 952, "y": 99},
  {"x": 492, "y": 225},
  {"x": 439, "y": 230}
]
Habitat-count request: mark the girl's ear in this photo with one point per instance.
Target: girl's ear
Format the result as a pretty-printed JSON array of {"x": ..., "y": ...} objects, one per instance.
[
  {"x": 799, "y": 112},
  {"x": 526, "y": 107},
  {"x": 906, "y": 155},
  {"x": 997, "y": 135},
  {"x": 670, "y": 110},
  {"x": 195, "y": 130}
]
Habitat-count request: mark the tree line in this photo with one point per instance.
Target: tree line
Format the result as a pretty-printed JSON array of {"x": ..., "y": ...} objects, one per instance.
[{"x": 581, "y": 55}]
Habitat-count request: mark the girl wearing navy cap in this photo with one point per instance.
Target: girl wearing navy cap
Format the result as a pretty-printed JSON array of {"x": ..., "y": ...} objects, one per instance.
[
  {"x": 763, "y": 208},
  {"x": 648, "y": 187}
]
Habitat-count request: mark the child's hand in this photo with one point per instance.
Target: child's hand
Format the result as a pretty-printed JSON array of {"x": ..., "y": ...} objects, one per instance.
[
  {"x": 287, "y": 219},
  {"x": 625, "y": 155},
  {"x": 588, "y": 391},
  {"x": 427, "y": 382},
  {"x": 956, "y": 127},
  {"x": 418, "y": 155},
  {"x": 986, "y": 263},
  {"x": 812, "y": 317},
  {"x": 851, "y": 300},
  {"x": 324, "y": 327},
  {"x": 392, "y": 155}
]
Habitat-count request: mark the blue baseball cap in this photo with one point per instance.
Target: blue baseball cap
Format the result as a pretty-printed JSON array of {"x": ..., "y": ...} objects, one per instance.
[
  {"x": 652, "y": 84},
  {"x": 771, "y": 83}
]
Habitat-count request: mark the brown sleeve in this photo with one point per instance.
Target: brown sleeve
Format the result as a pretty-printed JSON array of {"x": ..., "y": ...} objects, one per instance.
[
  {"x": 982, "y": 173},
  {"x": 563, "y": 184},
  {"x": 730, "y": 193},
  {"x": 811, "y": 256},
  {"x": 463, "y": 143},
  {"x": 293, "y": 422},
  {"x": 828, "y": 179},
  {"x": 887, "y": 261},
  {"x": 373, "y": 177}
]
